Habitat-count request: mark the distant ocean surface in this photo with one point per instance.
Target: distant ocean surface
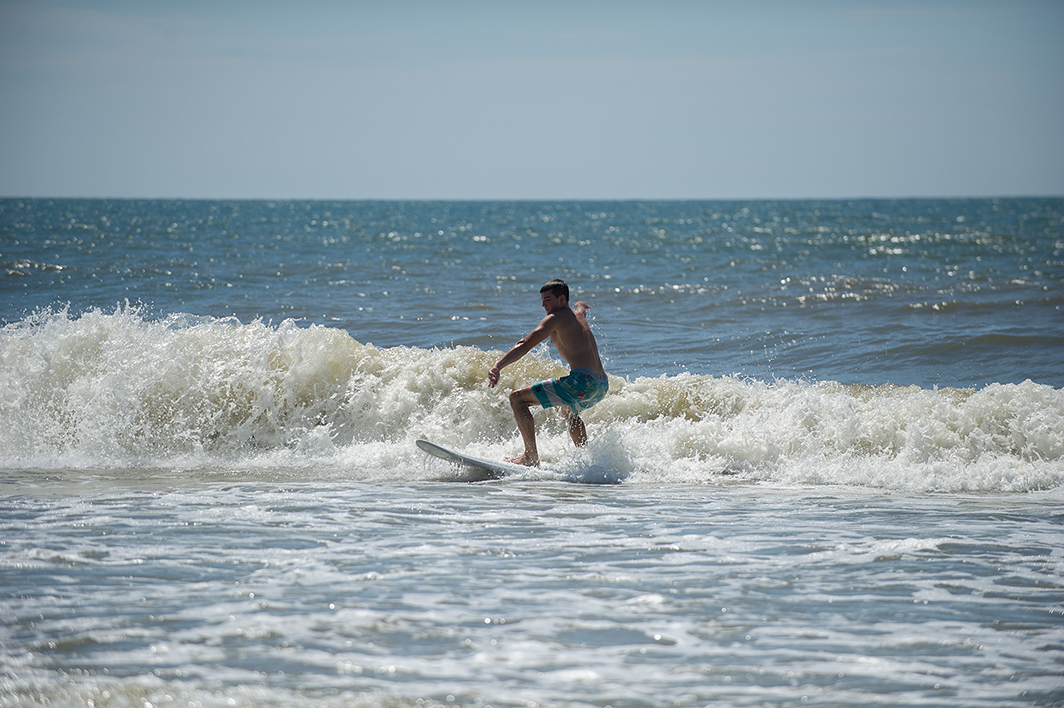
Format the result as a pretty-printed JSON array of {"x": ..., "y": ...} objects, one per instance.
[{"x": 829, "y": 471}]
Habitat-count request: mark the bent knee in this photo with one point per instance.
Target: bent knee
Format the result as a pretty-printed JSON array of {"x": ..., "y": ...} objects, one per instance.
[{"x": 522, "y": 397}]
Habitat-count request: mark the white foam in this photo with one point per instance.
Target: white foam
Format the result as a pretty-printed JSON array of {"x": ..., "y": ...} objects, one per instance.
[{"x": 119, "y": 390}]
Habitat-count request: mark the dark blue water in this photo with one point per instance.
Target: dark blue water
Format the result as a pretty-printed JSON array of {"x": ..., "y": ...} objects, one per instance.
[{"x": 924, "y": 292}]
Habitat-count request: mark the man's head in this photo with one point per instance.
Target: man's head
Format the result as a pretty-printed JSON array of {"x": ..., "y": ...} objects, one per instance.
[
  {"x": 554, "y": 295},
  {"x": 558, "y": 287}
]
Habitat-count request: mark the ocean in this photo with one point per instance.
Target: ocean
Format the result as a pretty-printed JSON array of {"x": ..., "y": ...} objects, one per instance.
[{"x": 829, "y": 471}]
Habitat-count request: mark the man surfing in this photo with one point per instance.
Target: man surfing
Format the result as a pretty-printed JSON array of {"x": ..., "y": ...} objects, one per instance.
[{"x": 585, "y": 385}]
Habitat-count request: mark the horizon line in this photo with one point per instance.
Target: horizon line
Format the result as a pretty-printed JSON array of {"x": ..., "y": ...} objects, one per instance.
[{"x": 535, "y": 199}]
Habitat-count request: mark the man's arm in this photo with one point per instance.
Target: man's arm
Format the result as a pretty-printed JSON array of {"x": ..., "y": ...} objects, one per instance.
[{"x": 523, "y": 346}]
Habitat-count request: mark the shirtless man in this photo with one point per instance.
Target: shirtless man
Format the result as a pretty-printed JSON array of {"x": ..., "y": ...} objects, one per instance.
[{"x": 585, "y": 385}]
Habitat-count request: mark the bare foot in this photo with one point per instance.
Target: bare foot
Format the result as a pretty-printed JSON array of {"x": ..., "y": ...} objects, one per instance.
[{"x": 523, "y": 459}]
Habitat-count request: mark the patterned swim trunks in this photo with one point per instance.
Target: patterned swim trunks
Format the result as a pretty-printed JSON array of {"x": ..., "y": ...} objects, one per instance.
[{"x": 579, "y": 390}]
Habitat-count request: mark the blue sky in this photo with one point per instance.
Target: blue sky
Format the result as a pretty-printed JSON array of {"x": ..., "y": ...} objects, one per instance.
[{"x": 664, "y": 99}]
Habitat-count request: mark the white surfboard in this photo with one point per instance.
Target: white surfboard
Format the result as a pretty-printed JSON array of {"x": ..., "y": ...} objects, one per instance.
[{"x": 484, "y": 469}]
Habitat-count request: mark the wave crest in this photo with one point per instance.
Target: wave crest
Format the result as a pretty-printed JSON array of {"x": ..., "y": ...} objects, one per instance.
[{"x": 118, "y": 389}]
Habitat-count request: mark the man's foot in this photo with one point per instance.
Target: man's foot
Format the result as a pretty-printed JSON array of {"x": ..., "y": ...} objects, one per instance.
[{"x": 524, "y": 459}]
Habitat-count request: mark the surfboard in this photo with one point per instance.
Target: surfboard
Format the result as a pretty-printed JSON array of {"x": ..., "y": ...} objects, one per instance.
[{"x": 482, "y": 469}]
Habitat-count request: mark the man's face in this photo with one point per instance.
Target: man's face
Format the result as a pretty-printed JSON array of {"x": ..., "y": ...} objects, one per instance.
[{"x": 551, "y": 302}]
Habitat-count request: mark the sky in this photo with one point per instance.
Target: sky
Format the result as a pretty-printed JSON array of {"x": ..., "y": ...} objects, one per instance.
[{"x": 500, "y": 99}]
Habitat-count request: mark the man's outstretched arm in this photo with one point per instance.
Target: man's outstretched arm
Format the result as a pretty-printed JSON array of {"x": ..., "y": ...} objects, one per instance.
[{"x": 523, "y": 346}]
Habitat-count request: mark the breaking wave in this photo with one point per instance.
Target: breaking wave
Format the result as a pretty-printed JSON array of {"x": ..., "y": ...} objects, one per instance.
[{"x": 120, "y": 390}]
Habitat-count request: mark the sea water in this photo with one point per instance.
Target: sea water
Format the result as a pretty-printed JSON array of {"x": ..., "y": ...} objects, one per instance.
[{"x": 830, "y": 469}]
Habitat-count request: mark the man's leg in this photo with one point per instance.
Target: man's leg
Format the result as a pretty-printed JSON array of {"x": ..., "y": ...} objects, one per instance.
[
  {"x": 521, "y": 402},
  {"x": 577, "y": 431}
]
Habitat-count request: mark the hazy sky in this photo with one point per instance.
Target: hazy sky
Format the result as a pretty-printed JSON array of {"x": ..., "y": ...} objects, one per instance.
[{"x": 530, "y": 100}]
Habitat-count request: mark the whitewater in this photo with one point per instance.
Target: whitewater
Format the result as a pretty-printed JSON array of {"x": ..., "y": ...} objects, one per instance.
[{"x": 115, "y": 390}]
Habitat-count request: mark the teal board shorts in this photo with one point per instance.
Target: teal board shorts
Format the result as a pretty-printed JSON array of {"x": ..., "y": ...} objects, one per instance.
[{"x": 579, "y": 390}]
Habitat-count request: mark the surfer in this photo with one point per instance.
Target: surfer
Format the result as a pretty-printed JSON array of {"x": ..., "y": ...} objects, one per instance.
[{"x": 585, "y": 385}]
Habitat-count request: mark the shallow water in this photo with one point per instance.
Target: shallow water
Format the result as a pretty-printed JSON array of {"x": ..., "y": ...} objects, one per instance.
[{"x": 267, "y": 592}]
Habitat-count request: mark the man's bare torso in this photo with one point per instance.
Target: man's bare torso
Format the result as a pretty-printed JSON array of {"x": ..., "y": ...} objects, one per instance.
[{"x": 572, "y": 337}]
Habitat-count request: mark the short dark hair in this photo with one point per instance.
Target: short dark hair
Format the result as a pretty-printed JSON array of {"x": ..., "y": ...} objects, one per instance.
[{"x": 557, "y": 288}]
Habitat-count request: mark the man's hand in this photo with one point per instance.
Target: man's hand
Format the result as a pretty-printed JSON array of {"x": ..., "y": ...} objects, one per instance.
[
  {"x": 493, "y": 376},
  {"x": 581, "y": 307}
]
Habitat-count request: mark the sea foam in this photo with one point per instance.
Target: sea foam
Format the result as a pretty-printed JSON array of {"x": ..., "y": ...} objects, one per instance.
[{"x": 104, "y": 390}]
